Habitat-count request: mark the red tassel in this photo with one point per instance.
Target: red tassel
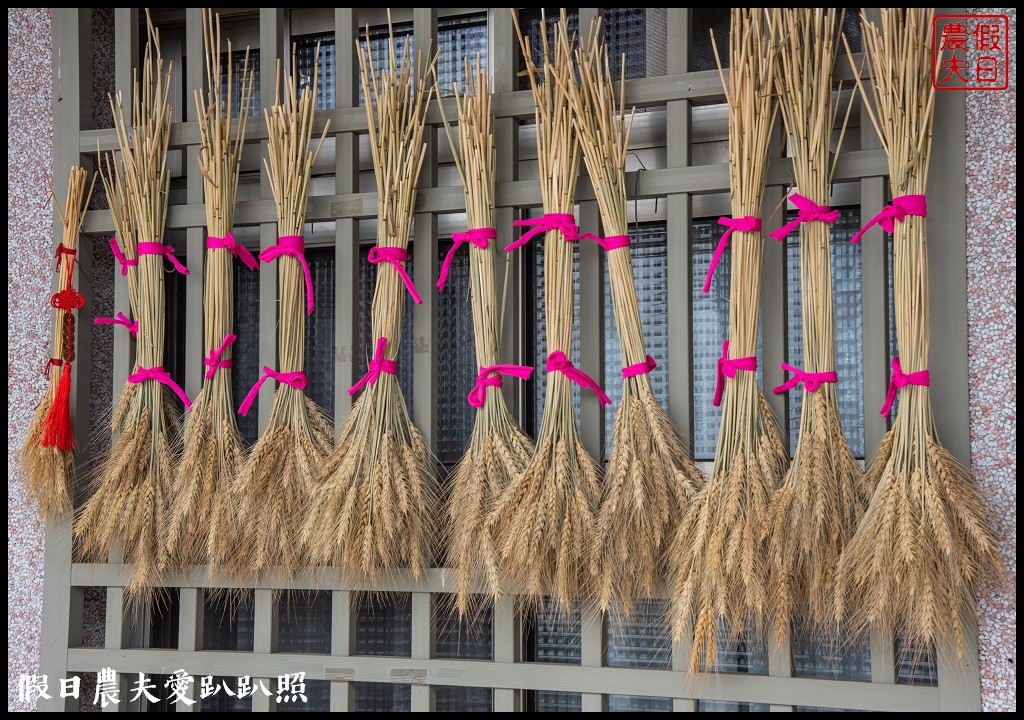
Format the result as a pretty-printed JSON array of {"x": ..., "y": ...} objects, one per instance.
[{"x": 57, "y": 432}]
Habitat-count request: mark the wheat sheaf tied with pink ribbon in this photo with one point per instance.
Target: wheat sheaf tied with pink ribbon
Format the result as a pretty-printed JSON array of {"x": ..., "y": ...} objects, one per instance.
[
  {"x": 375, "y": 507},
  {"x": 650, "y": 477},
  {"x": 717, "y": 563},
  {"x": 280, "y": 473},
  {"x": 544, "y": 523},
  {"x": 203, "y": 518},
  {"x": 129, "y": 511},
  {"x": 924, "y": 544},
  {"x": 498, "y": 449}
]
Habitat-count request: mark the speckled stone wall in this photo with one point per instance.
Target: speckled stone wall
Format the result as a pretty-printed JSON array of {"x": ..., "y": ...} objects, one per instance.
[{"x": 991, "y": 267}]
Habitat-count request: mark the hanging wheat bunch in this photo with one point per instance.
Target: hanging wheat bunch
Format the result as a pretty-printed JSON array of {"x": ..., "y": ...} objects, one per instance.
[
  {"x": 48, "y": 452},
  {"x": 129, "y": 510},
  {"x": 279, "y": 474},
  {"x": 719, "y": 563},
  {"x": 650, "y": 478},
  {"x": 376, "y": 501},
  {"x": 203, "y": 514},
  {"x": 498, "y": 448},
  {"x": 924, "y": 543},
  {"x": 545, "y": 520},
  {"x": 816, "y": 509}
]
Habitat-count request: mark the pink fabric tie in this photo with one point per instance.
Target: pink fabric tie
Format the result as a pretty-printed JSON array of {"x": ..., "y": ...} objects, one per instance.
[
  {"x": 229, "y": 243},
  {"x": 395, "y": 256},
  {"x": 807, "y": 211},
  {"x": 558, "y": 362},
  {"x": 120, "y": 319},
  {"x": 378, "y": 364},
  {"x": 161, "y": 376},
  {"x": 295, "y": 246},
  {"x": 474, "y": 236},
  {"x": 747, "y": 223},
  {"x": 155, "y": 248},
  {"x": 895, "y": 212},
  {"x": 640, "y": 368},
  {"x": 728, "y": 368},
  {"x": 900, "y": 379},
  {"x": 119, "y": 256},
  {"x": 564, "y": 223},
  {"x": 490, "y": 376},
  {"x": 213, "y": 360},
  {"x": 296, "y": 380},
  {"x": 613, "y": 242},
  {"x": 811, "y": 381}
]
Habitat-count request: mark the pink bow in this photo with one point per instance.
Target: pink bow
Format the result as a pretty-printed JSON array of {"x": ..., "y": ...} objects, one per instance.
[
  {"x": 120, "y": 319},
  {"x": 728, "y": 368},
  {"x": 564, "y": 223},
  {"x": 640, "y": 368},
  {"x": 395, "y": 256},
  {"x": 475, "y": 236},
  {"x": 895, "y": 212},
  {"x": 295, "y": 246},
  {"x": 155, "y": 248},
  {"x": 747, "y": 223},
  {"x": 490, "y": 376},
  {"x": 811, "y": 381},
  {"x": 161, "y": 376},
  {"x": 119, "y": 256},
  {"x": 296, "y": 380},
  {"x": 900, "y": 379},
  {"x": 213, "y": 360},
  {"x": 378, "y": 364},
  {"x": 807, "y": 211},
  {"x": 558, "y": 362},
  {"x": 613, "y": 242},
  {"x": 229, "y": 243}
]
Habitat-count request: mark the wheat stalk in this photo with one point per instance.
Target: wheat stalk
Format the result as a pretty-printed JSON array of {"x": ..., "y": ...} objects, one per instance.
[
  {"x": 924, "y": 543},
  {"x": 718, "y": 558},
  {"x": 376, "y": 501}
]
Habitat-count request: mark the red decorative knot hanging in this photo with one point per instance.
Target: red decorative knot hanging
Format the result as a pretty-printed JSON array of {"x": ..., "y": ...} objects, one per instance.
[{"x": 57, "y": 431}]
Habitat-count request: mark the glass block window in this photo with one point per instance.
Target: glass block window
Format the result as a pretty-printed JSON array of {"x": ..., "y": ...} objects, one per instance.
[
  {"x": 382, "y": 697},
  {"x": 367, "y": 344},
  {"x": 831, "y": 658},
  {"x": 305, "y": 60},
  {"x": 530, "y": 24},
  {"x": 380, "y": 42},
  {"x": 458, "y": 37},
  {"x": 245, "y": 361},
  {"x": 318, "y": 698},
  {"x": 703, "y": 22},
  {"x": 237, "y": 64},
  {"x": 222, "y": 701},
  {"x": 383, "y": 627},
  {"x": 228, "y": 622},
  {"x": 891, "y": 305},
  {"x": 737, "y": 654},
  {"x": 554, "y": 638},
  {"x": 470, "y": 640},
  {"x": 319, "y": 354},
  {"x": 641, "y": 35},
  {"x": 847, "y": 284},
  {"x": 304, "y": 622},
  {"x": 174, "y": 321},
  {"x": 916, "y": 664},
  {"x": 642, "y": 640},
  {"x": 456, "y": 358},
  {"x": 650, "y": 273}
]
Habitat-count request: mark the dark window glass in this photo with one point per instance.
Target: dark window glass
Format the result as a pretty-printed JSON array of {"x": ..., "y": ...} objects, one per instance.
[
  {"x": 836, "y": 658},
  {"x": 643, "y": 640},
  {"x": 304, "y": 622},
  {"x": 305, "y": 60},
  {"x": 237, "y": 91},
  {"x": 319, "y": 365},
  {"x": 458, "y": 37},
  {"x": 530, "y": 24},
  {"x": 219, "y": 699},
  {"x": 318, "y": 697},
  {"x": 174, "y": 320},
  {"x": 383, "y": 697},
  {"x": 916, "y": 664},
  {"x": 380, "y": 45},
  {"x": 245, "y": 352},
  {"x": 384, "y": 625},
  {"x": 704, "y": 21},
  {"x": 456, "y": 358},
  {"x": 554, "y": 637},
  {"x": 641, "y": 35},
  {"x": 228, "y": 621}
]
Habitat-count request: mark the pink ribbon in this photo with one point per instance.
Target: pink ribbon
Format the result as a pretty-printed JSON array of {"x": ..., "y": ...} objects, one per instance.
[
  {"x": 161, "y": 376},
  {"x": 640, "y": 368},
  {"x": 895, "y": 212},
  {"x": 229, "y": 243},
  {"x": 119, "y": 256},
  {"x": 728, "y": 368},
  {"x": 747, "y": 223},
  {"x": 395, "y": 256},
  {"x": 558, "y": 362},
  {"x": 155, "y": 248},
  {"x": 295, "y": 246},
  {"x": 613, "y": 242},
  {"x": 807, "y": 211},
  {"x": 296, "y": 380},
  {"x": 378, "y": 364},
  {"x": 900, "y": 379},
  {"x": 562, "y": 222},
  {"x": 119, "y": 319},
  {"x": 213, "y": 360},
  {"x": 490, "y": 376},
  {"x": 811, "y": 381},
  {"x": 475, "y": 236}
]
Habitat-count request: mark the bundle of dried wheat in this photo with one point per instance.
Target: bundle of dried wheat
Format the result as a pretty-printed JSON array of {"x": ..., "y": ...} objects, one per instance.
[
  {"x": 924, "y": 542},
  {"x": 718, "y": 559}
]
